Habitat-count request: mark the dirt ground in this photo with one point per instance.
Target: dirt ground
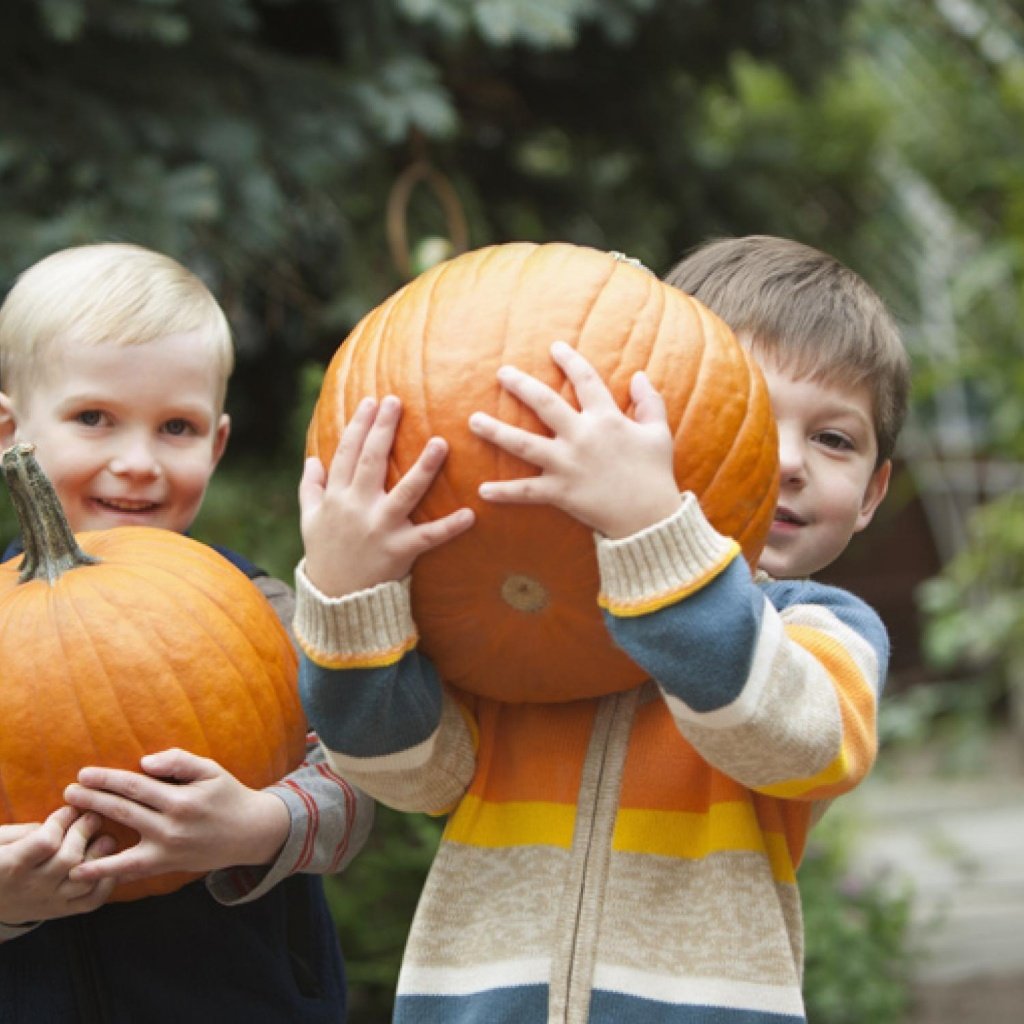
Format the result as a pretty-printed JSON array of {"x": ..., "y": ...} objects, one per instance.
[{"x": 992, "y": 1000}]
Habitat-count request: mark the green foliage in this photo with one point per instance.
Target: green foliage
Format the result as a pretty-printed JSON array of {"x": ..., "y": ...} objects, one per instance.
[
  {"x": 975, "y": 608},
  {"x": 259, "y": 140},
  {"x": 373, "y": 904},
  {"x": 859, "y": 955}
]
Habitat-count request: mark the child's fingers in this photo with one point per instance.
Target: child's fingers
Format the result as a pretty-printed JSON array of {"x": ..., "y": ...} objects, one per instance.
[
  {"x": 80, "y": 835},
  {"x": 439, "y": 531},
  {"x": 523, "y": 444},
  {"x": 549, "y": 406},
  {"x": 409, "y": 491},
  {"x": 125, "y": 866},
  {"x": 122, "y": 796},
  {"x": 648, "y": 405},
  {"x": 591, "y": 390},
  {"x": 370, "y": 471},
  {"x": 351, "y": 443},
  {"x": 12, "y": 833},
  {"x": 531, "y": 490}
]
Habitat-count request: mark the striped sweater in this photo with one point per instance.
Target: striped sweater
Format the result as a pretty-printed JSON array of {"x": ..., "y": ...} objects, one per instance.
[{"x": 627, "y": 858}]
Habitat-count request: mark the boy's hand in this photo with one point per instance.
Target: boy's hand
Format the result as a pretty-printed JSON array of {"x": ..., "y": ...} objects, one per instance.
[
  {"x": 191, "y": 815},
  {"x": 611, "y": 472},
  {"x": 357, "y": 534},
  {"x": 34, "y": 864}
]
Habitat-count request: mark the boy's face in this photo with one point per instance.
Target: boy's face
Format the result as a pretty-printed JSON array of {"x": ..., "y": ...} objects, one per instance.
[
  {"x": 129, "y": 435},
  {"x": 829, "y": 485}
]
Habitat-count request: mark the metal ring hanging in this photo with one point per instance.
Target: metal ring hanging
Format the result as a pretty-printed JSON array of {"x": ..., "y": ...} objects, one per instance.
[{"x": 398, "y": 206}]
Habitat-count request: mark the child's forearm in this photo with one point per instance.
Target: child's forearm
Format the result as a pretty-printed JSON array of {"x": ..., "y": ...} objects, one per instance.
[
  {"x": 784, "y": 703},
  {"x": 330, "y": 821},
  {"x": 380, "y": 710}
]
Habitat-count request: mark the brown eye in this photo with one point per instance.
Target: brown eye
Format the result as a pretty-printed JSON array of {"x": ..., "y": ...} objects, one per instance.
[{"x": 836, "y": 441}]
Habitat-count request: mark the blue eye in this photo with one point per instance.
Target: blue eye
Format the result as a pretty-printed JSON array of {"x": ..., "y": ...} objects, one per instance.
[
  {"x": 178, "y": 427},
  {"x": 89, "y": 418}
]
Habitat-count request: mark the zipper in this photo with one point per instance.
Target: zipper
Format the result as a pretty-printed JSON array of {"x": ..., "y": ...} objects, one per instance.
[{"x": 579, "y": 915}]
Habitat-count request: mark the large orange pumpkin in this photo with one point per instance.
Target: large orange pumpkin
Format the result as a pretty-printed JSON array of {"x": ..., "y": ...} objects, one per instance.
[
  {"x": 127, "y": 642},
  {"x": 508, "y": 610}
]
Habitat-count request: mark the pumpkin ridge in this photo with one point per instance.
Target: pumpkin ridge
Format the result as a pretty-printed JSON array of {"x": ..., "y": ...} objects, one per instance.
[
  {"x": 167, "y": 675},
  {"x": 150, "y": 577},
  {"x": 588, "y": 318},
  {"x": 383, "y": 347},
  {"x": 582, "y": 343},
  {"x": 441, "y": 485},
  {"x": 768, "y": 501},
  {"x": 10, "y": 738},
  {"x": 721, "y": 466},
  {"x": 626, "y": 357},
  {"x": 508, "y": 408},
  {"x": 695, "y": 410},
  {"x": 272, "y": 695},
  {"x": 217, "y": 641}
]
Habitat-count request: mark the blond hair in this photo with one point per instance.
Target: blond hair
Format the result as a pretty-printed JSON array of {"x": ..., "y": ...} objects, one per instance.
[
  {"x": 108, "y": 293},
  {"x": 814, "y": 316}
]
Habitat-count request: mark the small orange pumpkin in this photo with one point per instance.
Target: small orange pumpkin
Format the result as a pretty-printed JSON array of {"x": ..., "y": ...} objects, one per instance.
[
  {"x": 137, "y": 640},
  {"x": 508, "y": 610}
]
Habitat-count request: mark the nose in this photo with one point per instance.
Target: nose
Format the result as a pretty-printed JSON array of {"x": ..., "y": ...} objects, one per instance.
[
  {"x": 135, "y": 457},
  {"x": 792, "y": 464}
]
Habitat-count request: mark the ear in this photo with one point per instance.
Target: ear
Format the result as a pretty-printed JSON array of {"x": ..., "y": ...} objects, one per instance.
[
  {"x": 8, "y": 422},
  {"x": 875, "y": 491},
  {"x": 220, "y": 439}
]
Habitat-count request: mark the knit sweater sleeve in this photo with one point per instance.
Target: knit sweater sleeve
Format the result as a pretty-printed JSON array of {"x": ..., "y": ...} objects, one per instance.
[
  {"x": 329, "y": 819},
  {"x": 384, "y": 718},
  {"x": 776, "y": 685}
]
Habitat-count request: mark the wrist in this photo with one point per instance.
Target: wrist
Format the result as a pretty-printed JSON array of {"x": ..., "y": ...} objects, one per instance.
[
  {"x": 268, "y": 823},
  {"x": 628, "y": 522}
]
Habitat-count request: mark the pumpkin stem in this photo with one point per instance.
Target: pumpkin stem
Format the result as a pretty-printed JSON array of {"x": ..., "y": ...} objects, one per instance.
[{"x": 50, "y": 546}]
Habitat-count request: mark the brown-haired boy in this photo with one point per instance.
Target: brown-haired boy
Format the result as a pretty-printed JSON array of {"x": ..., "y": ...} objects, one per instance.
[{"x": 674, "y": 898}]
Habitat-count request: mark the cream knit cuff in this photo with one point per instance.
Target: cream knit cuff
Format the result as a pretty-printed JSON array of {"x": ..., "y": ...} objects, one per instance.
[
  {"x": 673, "y": 557},
  {"x": 363, "y": 626}
]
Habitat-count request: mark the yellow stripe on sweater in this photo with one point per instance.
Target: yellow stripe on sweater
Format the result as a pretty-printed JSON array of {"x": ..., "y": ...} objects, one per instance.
[
  {"x": 680, "y": 834},
  {"x": 836, "y": 772},
  {"x": 516, "y": 823},
  {"x": 364, "y": 659},
  {"x": 692, "y": 835}
]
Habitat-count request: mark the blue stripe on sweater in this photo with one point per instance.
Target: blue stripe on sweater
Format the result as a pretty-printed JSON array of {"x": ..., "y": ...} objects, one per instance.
[
  {"x": 609, "y": 1007},
  {"x": 528, "y": 1004},
  {"x": 709, "y": 675},
  {"x": 523, "y": 1004},
  {"x": 373, "y": 711}
]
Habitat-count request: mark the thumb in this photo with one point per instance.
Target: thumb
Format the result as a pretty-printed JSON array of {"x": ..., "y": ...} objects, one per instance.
[
  {"x": 176, "y": 765},
  {"x": 648, "y": 405}
]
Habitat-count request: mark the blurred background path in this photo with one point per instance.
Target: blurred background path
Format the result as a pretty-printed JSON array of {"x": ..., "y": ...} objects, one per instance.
[{"x": 959, "y": 843}]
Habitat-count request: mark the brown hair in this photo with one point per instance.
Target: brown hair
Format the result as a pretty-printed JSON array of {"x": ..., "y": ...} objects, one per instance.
[{"x": 810, "y": 313}]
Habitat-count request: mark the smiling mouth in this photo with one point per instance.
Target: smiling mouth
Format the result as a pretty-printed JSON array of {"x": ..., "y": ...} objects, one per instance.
[
  {"x": 126, "y": 506},
  {"x": 784, "y": 515}
]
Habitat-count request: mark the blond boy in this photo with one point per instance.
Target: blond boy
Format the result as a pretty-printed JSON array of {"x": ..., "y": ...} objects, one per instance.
[{"x": 114, "y": 363}]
